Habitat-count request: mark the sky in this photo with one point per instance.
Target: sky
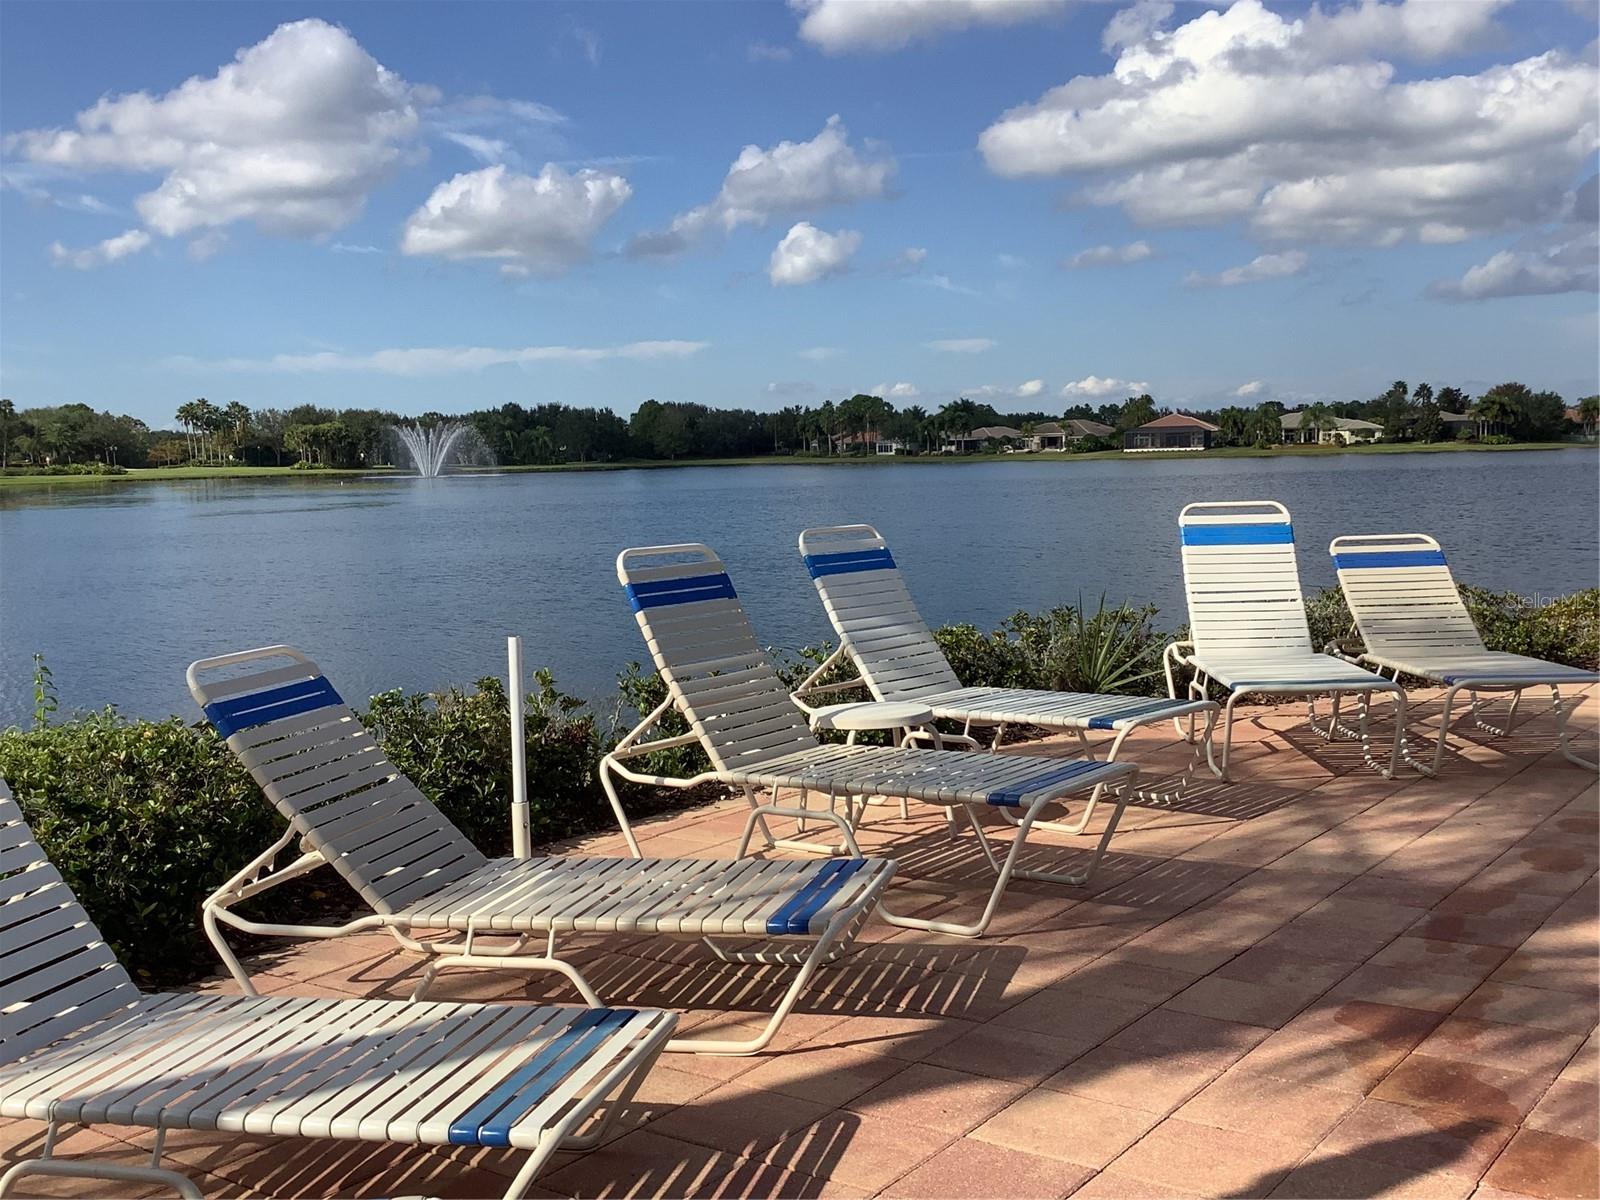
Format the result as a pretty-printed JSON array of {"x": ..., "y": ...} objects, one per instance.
[{"x": 1036, "y": 203}]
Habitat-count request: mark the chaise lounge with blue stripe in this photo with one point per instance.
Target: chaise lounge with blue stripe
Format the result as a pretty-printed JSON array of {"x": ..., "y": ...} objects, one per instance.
[
  {"x": 739, "y": 712},
  {"x": 1412, "y": 621},
  {"x": 896, "y": 658},
  {"x": 81, "y": 1045},
  {"x": 1248, "y": 632},
  {"x": 350, "y": 808}
]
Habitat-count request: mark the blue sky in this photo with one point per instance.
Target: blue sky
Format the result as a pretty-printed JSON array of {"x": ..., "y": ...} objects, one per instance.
[{"x": 429, "y": 206}]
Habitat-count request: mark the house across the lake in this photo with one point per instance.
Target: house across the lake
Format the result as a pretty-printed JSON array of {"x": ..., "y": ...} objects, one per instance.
[
  {"x": 1175, "y": 431},
  {"x": 1058, "y": 435},
  {"x": 979, "y": 438},
  {"x": 1345, "y": 430}
]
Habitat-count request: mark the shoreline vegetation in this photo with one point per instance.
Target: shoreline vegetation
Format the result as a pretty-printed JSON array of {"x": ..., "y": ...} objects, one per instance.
[
  {"x": 145, "y": 818},
  {"x": 13, "y": 478},
  {"x": 71, "y": 440}
]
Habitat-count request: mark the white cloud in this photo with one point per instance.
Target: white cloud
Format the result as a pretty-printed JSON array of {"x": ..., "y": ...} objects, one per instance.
[
  {"x": 1295, "y": 127},
  {"x": 354, "y": 248},
  {"x": 207, "y": 245},
  {"x": 1565, "y": 266},
  {"x": 975, "y": 345},
  {"x": 844, "y": 26},
  {"x": 1109, "y": 256},
  {"x": 111, "y": 250},
  {"x": 789, "y": 179},
  {"x": 1010, "y": 261},
  {"x": 1094, "y": 385},
  {"x": 909, "y": 261},
  {"x": 530, "y": 223},
  {"x": 807, "y": 254},
  {"x": 484, "y": 149},
  {"x": 767, "y": 52},
  {"x": 896, "y": 391},
  {"x": 1254, "y": 388},
  {"x": 1420, "y": 30},
  {"x": 1257, "y": 270},
  {"x": 292, "y": 135},
  {"x": 819, "y": 353},
  {"x": 1021, "y": 391},
  {"x": 945, "y": 284},
  {"x": 440, "y": 360}
]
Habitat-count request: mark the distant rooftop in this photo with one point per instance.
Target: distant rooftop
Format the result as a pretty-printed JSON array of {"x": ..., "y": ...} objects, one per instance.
[{"x": 1179, "y": 421}]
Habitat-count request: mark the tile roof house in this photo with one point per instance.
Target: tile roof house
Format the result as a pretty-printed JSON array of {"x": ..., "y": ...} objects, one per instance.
[
  {"x": 1175, "y": 431},
  {"x": 977, "y": 439},
  {"x": 1058, "y": 435},
  {"x": 1343, "y": 429}
]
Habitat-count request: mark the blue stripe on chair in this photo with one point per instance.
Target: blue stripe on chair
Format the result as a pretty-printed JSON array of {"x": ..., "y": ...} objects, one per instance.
[
  {"x": 847, "y": 562},
  {"x": 663, "y": 592},
  {"x": 1129, "y": 711},
  {"x": 1012, "y": 797},
  {"x": 1273, "y": 533},
  {"x": 258, "y": 708},
  {"x": 1389, "y": 558},
  {"x": 795, "y": 916},
  {"x": 489, "y": 1121}
]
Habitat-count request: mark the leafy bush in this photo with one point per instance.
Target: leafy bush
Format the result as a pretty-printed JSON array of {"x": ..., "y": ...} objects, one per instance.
[
  {"x": 89, "y": 468},
  {"x": 1113, "y": 650},
  {"x": 1498, "y": 439}
]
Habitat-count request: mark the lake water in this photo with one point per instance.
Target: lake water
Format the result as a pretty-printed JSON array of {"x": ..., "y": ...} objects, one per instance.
[{"x": 413, "y": 583}]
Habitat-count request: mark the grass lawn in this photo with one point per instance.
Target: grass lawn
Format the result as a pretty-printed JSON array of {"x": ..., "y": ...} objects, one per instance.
[{"x": 166, "y": 473}]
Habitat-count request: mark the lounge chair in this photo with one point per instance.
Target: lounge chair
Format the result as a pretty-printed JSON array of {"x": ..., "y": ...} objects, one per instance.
[
  {"x": 1412, "y": 621},
  {"x": 350, "y": 808},
  {"x": 80, "y": 1044},
  {"x": 897, "y": 659},
  {"x": 739, "y": 712},
  {"x": 1247, "y": 622}
]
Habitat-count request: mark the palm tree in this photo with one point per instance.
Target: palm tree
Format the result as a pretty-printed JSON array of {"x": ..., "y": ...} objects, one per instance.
[
  {"x": 1589, "y": 415},
  {"x": 8, "y": 414}
]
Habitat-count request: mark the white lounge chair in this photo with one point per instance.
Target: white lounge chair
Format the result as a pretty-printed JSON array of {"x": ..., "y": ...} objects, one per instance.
[
  {"x": 897, "y": 659},
  {"x": 1247, "y": 623},
  {"x": 741, "y": 715},
  {"x": 1412, "y": 620},
  {"x": 81, "y": 1045},
  {"x": 352, "y": 809}
]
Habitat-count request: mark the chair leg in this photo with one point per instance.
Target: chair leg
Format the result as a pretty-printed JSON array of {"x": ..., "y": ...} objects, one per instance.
[
  {"x": 48, "y": 1165},
  {"x": 1563, "y": 733},
  {"x": 467, "y": 957}
]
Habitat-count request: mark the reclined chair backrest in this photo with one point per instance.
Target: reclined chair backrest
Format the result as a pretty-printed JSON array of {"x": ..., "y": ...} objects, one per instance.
[
  {"x": 1241, "y": 580},
  {"x": 328, "y": 776},
  {"x": 1403, "y": 598},
  {"x": 703, "y": 646},
  {"x": 56, "y": 972},
  {"x": 873, "y": 613}
]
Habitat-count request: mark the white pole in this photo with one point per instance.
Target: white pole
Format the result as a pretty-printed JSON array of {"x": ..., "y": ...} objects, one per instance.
[{"x": 519, "y": 752}]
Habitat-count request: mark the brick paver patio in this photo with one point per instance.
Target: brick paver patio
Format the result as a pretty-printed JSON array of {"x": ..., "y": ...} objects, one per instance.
[{"x": 1314, "y": 982}]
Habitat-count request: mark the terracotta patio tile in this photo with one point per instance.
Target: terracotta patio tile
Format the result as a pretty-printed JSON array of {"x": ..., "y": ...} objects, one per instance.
[
  {"x": 825, "y": 1074},
  {"x": 1344, "y": 1044},
  {"x": 1153, "y": 1083},
  {"x": 937, "y": 1098},
  {"x": 1483, "y": 1093},
  {"x": 1340, "y": 1178},
  {"x": 1266, "y": 1005},
  {"x": 1210, "y": 1162},
  {"x": 1070, "y": 1127},
  {"x": 738, "y": 1119},
  {"x": 1168, "y": 1031},
  {"x": 908, "y": 1037},
  {"x": 1000, "y": 1052},
  {"x": 1404, "y": 987},
  {"x": 1328, "y": 940},
  {"x": 1275, "y": 965},
  {"x": 1548, "y": 1165},
  {"x": 645, "y": 1164},
  {"x": 1569, "y": 1108},
  {"x": 1137, "y": 983},
  {"x": 1425, "y": 1139},
  {"x": 1244, "y": 1102},
  {"x": 1110, "y": 1185},
  {"x": 978, "y": 1170},
  {"x": 1584, "y": 1066},
  {"x": 1073, "y": 1014},
  {"x": 1512, "y": 1003},
  {"x": 864, "y": 1152},
  {"x": 1440, "y": 958},
  {"x": 1495, "y": 1044}
]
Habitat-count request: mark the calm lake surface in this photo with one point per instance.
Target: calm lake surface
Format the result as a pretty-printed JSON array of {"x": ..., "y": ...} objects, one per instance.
[{"x": 415, "y": 583}]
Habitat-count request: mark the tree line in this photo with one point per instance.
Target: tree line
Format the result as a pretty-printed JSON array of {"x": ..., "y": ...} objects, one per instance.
[{"x": 309, "y": 435}]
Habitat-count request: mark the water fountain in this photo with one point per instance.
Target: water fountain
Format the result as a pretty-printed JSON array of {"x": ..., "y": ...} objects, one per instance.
[{"x": 431, "y": 447}]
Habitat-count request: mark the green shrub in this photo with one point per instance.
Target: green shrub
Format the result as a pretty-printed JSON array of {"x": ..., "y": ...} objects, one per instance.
[
  {"x": 90, "y": 468},
  {"x": 1116, "y": 650},
  {"x": 1498, "y": 439}
]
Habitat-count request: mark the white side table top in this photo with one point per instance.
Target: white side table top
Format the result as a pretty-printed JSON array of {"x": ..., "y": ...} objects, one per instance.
[{"x": 872, "y": 714}]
